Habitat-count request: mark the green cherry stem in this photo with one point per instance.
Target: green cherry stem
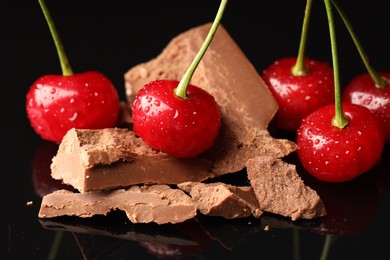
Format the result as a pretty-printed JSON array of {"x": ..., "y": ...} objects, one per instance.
[
  {"x": 299, "y": 68},
  {"x": 55, "y": 245},
  {"x": 339, "y": 119},
  {"x": 326, "y": 247},
  {"x": 65, "y": 66},
  {"x": 379, "y": 81},
  {"x": 181, "y": 89}
]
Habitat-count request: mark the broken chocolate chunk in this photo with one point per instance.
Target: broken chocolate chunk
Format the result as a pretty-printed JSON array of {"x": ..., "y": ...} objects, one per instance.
[
  {"x": 142, "y": 204},
  {"x": 223, "y": 200},
  {"x": 93, "y": 160},
  {"x": 280, "y": 190}
]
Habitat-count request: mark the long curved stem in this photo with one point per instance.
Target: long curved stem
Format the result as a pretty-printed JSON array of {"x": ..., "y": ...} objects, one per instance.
[
  {"x": 181, "y": 89},
  {"x": 65, "y": 66},
  {"x": 299, "y": 68},
  {"x": 339, "y": 119},
  {"x": 379, "y": 81}
]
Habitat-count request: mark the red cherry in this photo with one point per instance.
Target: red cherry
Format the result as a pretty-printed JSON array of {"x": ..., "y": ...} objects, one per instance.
[
  {"x": 362, "y": 91},
  {"x": 176, "y": 117},
  {"x": 56, "y": 103},
  {"x": 180, "y": 127},
  {"x": 298, "y": 96},
  {"x": 336, "y": 155}
]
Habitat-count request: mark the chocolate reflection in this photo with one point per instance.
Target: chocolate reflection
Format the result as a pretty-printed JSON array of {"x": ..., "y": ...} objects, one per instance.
[
  {"x": 41, "y": 174},
  {"x": 105, "y": 235},
  {"x": 193, "y": 230},
  {"x": 184, "y": 239}
]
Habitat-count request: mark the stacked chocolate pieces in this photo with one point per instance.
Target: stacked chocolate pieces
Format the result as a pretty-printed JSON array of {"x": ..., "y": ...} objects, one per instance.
[{"x": 113, "y": 169}]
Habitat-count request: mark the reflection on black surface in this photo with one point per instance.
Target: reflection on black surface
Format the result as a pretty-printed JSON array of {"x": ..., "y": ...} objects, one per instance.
[
  {"x": 116, "y": 225},
  {"x": 351, "y": 208},
  {"x": 176, "y": 241},
  {"x": 41, "y": 174},
  {"x": 231, "y": 233},
  {"x": 172, "y": 241},
  {"x": 381, "y": 175},
  {"x": 193, "y": 230}
]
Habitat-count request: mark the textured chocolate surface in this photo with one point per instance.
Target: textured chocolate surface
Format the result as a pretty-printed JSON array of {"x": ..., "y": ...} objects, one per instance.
[
  {"x": 142, "y": 204},
  {"x": 223, "y": 200},
  {"x": 280, "y": 190},
  {"x": 92, "y": 160}
]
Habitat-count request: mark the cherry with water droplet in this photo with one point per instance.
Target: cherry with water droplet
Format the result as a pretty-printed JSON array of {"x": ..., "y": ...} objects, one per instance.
[
  {"x": 299, "y": 84},
  {"x": 57, "y": 103},
  {"x": 176, "y": 117},
  {"x": 340, "y": 141}
]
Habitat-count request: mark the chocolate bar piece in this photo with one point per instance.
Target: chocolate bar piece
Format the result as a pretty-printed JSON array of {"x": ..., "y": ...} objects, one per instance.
[
  {"x": 142, "y": 204},
  {"x": 280, "y": 190},
  {"x": 223, "y": 200},
  {"x": 92, "y": 160}
]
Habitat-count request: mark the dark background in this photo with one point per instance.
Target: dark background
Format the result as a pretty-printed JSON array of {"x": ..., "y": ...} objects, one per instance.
[{"x": 113, "y": 36}]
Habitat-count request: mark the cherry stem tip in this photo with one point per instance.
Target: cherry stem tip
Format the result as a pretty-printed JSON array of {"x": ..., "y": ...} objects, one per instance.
[{"x": 181, "y": 89}]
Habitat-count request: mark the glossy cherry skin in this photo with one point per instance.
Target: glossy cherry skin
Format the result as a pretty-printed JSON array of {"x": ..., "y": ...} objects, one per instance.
[
  {"x": 183, "y": 128},
  {"x": 298, "y": 96},
  {"x": 362, "y": 91},
  {"x": 56, "y": 103},
  {"x": 337, "y": 155}
]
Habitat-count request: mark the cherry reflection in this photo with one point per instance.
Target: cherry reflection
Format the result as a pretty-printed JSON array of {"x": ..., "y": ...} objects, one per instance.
[
  {"x": 381, "y": 175},
  {"x": 41, "y": 174},
  {"x": 351, "y": 206}
]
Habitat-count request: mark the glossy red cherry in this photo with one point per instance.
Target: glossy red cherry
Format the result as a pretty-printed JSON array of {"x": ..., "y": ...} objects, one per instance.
[
  {"x": 362, "y": 91},
  {"x": 57, "y": 103},
  {"x": 176, "y": 117},
  {"x": 298, "y": 96},
  {"x": 180, "y": 127},
  {"x": 337, "y": 155}
]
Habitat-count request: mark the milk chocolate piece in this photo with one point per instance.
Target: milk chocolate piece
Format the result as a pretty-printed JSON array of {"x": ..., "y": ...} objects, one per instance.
[
  {"x": 142, "y": 204},
  {"x": 223, "y": 200},
  {"x": 280, "y": 190},
  {"x": 247, "y": 105},
  {"x": 92, "y": 160}
]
